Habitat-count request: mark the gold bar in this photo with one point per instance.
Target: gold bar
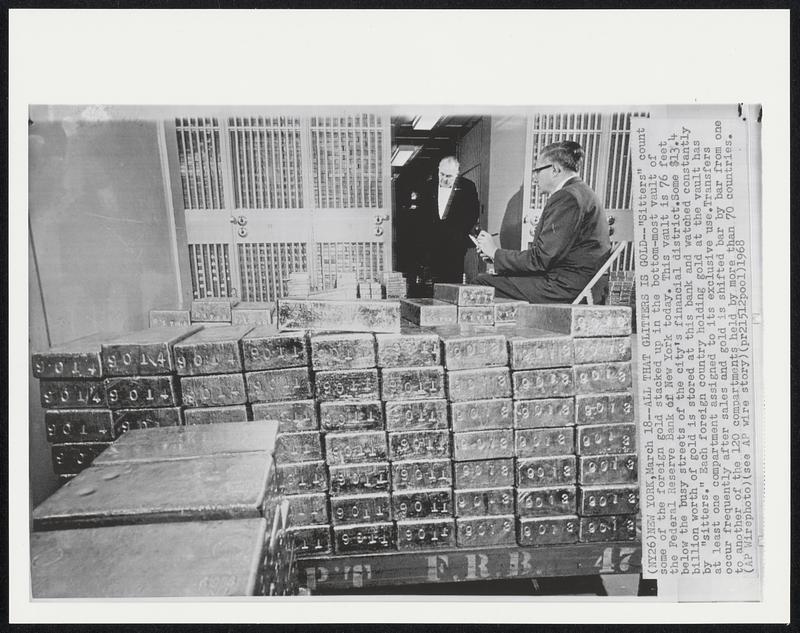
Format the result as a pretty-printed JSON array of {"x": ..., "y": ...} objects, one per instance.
[
  {"x": 545, "y": 412},
  {"x": 215, "y": 415},
  {"x": 543, "y": 383},
  {"x": 425, "y": 534},
  {"x": 358, "y": 447},
  {"x": 484, "y": 501},
  {"x": 607, "y": 528},
  {"x": 347, "y": 384},
  {"x": 548, "y": 442},
  {"x": 608, "y": 499},
  {"x": 602, "y": 377},
  {"x": 483, "y": 473},
  {"x": 351, "y": 416},
  {"x": 464, "y": 295},
  {"x": 494, "y": 444},
  {"x": 293, "y": 383},
  {"x": 607, "y": 469},
  {"x": 604, "y": 439},
  {"x": 349, "y": 479},
  {"x": 481, "y": 415},
  {"x": 413, "y": 415},
  {"x": 537, "y": 472},
  {"x": 548, "y": 530},
  {"x": 530, "y": 348},
  {"x": 212, "y": 391},
  {"x": 73, "y": 394},
  {"x": 417, "y": 445},
  {"x": 70, "y": 426},
  {"x": 548, "y": 501},
  {"x": 484, "y": 531},
  {"x": 364, "y": 538},
  {"x": 371, "y": 508},
  {"x": 422, "y": 504},
  {"x": 465, "y": 348}
]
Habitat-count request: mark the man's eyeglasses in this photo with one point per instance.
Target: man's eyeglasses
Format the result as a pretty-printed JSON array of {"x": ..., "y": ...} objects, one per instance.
[{"x": 536, "y": 170}]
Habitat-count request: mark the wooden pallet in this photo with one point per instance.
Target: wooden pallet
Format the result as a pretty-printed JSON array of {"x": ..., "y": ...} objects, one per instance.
[{"x": 455, "y": 565}]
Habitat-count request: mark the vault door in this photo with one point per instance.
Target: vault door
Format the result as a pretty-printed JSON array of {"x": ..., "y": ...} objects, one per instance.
[
  {"x": 269, "y": 195},
  {"x": 350, "y": 177},
  {"x": 200, "y": 157},
  {"x": 271, "y": 216}
]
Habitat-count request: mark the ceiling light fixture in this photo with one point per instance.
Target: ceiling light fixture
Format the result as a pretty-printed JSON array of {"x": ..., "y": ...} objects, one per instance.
[
  {"x": 402, "y": 154},
  {"x": 425, "y": 121}
]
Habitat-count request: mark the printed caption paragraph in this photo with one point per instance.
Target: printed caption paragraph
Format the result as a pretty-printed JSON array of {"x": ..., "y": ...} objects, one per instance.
[{"x": 692, "y": 230}]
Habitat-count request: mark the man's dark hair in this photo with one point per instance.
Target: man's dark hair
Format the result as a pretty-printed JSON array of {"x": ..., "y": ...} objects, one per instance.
[{"x": 568, "y": 154}]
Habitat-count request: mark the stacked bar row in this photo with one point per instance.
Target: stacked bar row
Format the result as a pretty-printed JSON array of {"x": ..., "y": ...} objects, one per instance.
[
  {"x": 97, "y": 387},
  {"x": 505, "y": 453},
  {"x": 380, "y": 398},
  {"x": 607, "y": 495},
  {"x": 348, "y": 287},
  {"x": 215, "y": 310},
  {"x": 455, "y": 304}
]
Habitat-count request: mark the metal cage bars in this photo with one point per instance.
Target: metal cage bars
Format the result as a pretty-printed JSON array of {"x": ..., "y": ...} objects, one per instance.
[
  {"x": 267, "y": 166},
  {"x": 200, "y": 163},
  {"x": 210, "y": 269},
  {"x": 266, "y": 162},
  {"x": 347, "y": 161},
  {"x": 605, "y": 139},
  {"x": 363, "y": 258},
  {"x": 264, "y": 268}
]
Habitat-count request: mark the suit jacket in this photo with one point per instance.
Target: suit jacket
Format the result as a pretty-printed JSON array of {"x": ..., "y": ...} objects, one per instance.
[
  {"x": 570, "y": 243},
  {"x": 446, "y": 239}
]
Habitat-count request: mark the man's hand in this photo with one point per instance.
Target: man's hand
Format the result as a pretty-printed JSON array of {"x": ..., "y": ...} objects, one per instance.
[{"x": 486, "y": 245}]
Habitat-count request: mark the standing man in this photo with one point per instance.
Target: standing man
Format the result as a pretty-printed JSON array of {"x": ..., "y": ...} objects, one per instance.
[
  {"x": 450, "y": 210},
  {"x": 571, "y": 241}
]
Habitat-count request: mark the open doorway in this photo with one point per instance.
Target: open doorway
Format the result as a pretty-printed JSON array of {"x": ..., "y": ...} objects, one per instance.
[{"x": 419, "y": 141}]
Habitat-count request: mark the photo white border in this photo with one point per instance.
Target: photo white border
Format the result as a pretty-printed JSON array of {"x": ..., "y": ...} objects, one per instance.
[{"x": 472, "y": 58}]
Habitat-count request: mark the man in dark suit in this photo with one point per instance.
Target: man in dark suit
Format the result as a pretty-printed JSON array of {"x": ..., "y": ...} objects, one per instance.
[
  {"x": 449, "y": 209},
  {"x": 571, "y": 241}
]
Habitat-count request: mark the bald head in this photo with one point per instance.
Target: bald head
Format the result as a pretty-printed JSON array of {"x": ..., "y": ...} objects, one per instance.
[{"x": 448, "y": 170}]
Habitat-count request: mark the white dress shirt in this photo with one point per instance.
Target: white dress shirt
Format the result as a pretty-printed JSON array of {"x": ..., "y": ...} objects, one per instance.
[{"x": 444, "y": 196}]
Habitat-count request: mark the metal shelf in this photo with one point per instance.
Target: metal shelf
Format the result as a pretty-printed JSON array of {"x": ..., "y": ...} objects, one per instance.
[{"x": 456, "y": 565}]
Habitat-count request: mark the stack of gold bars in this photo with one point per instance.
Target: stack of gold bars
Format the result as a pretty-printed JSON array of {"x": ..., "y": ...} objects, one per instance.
[
  {"x": 96, "y": 388},
  {"x": 410, "y": 424},
  {"x": 480, "y": 423}
]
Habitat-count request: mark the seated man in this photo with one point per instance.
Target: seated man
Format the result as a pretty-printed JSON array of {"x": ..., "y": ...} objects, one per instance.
[{"x": 571, "y": 241}]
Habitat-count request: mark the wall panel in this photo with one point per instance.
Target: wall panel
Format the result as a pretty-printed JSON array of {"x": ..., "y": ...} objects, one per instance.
[{"x": 100, "y": 217}]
